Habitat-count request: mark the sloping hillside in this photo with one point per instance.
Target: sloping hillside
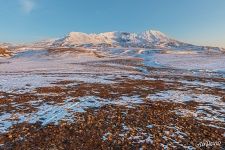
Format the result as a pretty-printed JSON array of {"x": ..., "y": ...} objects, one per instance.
[{"x": 5, "y": 52}]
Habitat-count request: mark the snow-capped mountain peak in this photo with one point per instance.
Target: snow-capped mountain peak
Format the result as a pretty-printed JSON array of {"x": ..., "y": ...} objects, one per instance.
[
  {"x": 150, "y": 39},
  {"x": 124, "y": 39},
  {"x": 153, "y": 36}
]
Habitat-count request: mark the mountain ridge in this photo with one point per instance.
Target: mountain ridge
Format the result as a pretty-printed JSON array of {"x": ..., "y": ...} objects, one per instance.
[
  {"x": 151, "y": 39},
  {"x": 117, "y": 38}
]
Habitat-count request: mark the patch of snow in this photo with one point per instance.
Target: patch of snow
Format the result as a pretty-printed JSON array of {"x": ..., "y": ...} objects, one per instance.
[
  {"x": 5, "y": 122},
  {"x": 128, "y": 101},
  {"x": 50, "y": 113},
  {"x": 186, "y": 96},
  {"x": 22, "y": 83},
  {"x": 192, "y": 61},
  {"x": 47, "y": 113},
  {"x": 211, "y": 84},
  {"x": 150, "y": 126},
  {"x": 176, "y": 133},
  {"x": 186, "y": 113},
  {"x": 210, "y": 107}
]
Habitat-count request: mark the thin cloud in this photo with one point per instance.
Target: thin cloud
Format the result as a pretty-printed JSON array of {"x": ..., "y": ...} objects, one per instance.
[{"x": 27, "y": 5}]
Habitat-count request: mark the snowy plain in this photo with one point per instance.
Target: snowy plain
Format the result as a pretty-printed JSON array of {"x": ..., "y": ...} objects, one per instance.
[{"x": 29, "y": 70}]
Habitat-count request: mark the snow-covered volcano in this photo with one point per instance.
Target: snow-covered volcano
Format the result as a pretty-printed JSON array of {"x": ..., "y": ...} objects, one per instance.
[
  {"x": 147, "y": 39},
  {"x": 123, "y": 39}
]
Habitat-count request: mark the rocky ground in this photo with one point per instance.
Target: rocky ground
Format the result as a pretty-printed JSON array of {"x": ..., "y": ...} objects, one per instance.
[{"x": 122, "y": 105}]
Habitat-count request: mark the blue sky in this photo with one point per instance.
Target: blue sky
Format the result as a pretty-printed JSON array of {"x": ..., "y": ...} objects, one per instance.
[{"x": 195, "y": 21}]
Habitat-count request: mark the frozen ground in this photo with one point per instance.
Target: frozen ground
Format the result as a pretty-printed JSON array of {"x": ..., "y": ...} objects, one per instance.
[
  {"x": 204, "y": 62},
  {"x": 210, "y": 107},
  {"x": 179, "y": 95}
]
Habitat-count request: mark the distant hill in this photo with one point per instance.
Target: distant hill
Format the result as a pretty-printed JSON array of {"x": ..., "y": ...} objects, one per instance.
[{"x": 5, "y": 52}]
